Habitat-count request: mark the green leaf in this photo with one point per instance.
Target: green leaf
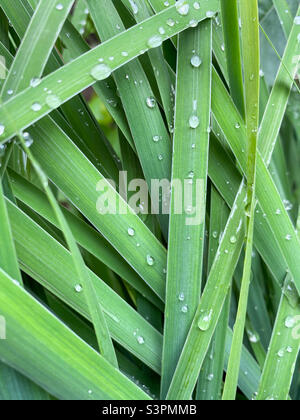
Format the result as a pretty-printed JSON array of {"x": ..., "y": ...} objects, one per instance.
[
  {"x": 65, "y": 366},
  {"x": 187, "y": 227},
  {"x": 250, "y": 41}
]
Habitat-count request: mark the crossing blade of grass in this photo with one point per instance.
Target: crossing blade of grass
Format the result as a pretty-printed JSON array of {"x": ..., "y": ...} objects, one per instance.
[
  {"x": 211, "y": 375},
  {"x": 267, "y": 193},
  {"x": 284, "y": 348},
  {"x": 74, "y": 109},
  {"x": 50, "y": 264},
  {"x": 162, "y": 74},
  {"x": 135, "y": 97},
  {"x": 250, "y": 372},
  {"x": 251, "y": 60},
  {"x": 85, "y": 235},
  {"x": 278, "y": 99},
  {"x": 230, "y": 20},
  {"x": 211, "y": 303},
  {"x": 272, "y": 256},
  {"x": 80, "y": 15},
  {"x": 65, "y": 366},
  {"x": 11, "y": 382},
  {"x": 47, "y": 22},
  {"x": 103, "y": 336},
  {"x": 106, "y": 90},
  {"x": 77, "y": 75},
  {"x": 8, "y": 257},
  {"x": 284, "y": 14},
  {"x": 187, "y": 229}
]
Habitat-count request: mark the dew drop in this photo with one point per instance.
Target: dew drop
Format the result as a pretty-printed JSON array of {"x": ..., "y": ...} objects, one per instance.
[
  {"x": 151, "y": 102},
  {"x": 36, "y": 107},
  {"x": 2, "y": 129},
  {"x": 290, "y": 322},
  {"x": 184, "y": 309},
  {"x": 28, "y": 139},
  {"x": 205, "y": 321},
  {"x": 182, "y": 7},
  {"x": 150, "y": 260},
  {"x": 233, "y": 240},
  {"x": 140, "y": 339},
  {"x": 181, "y": 297},
  {"x": 35, "y": 82},
  {"x": 131, "y": 232},
  {"x": 194, "y": 121},
  {"x": 297, "y": 20},
  {"x": 134, "y": 7},
  {"x": 193, "y": 23},
  {"x": 171, "y": 23},
  {"x": 53, "y": 101},
  {"x": 210, "y": 14},
  {"x": 78, "y": 288},
  {"x": 155, "y": 41},
  {"x": 196, "y": 61},
  {"x": 101, "y": 72}
]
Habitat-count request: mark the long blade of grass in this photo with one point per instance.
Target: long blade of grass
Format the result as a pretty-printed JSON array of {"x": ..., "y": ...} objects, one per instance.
[
  {"x": 211, "y": 303},
  {"x": 284, "y": 348},
  {"x": 251, "y": 53},
  {"x": 142, "y": 11},
  {"x": 65, "y": 366},
  {"x": 106, "y": 90},
  {"x": 278, "y": 99},
  {"x": 191, "y": 139},
  {"x": 285, "y": 16},
  {"x": 47, "y": 22},
  {"x": 104, "y": 340},
  {"x": 250, "y": 371},
  {"x": 12, "y": 384},
  {"x": 230, "y": 20},
  {"x": 267, "y": 193},
  {"x": 8, "y": 257},
  {"x": 211, "y": 375}
]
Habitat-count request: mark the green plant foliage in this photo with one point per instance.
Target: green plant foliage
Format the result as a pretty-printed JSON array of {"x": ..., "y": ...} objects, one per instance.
[{"x": 149, "y": 200}]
